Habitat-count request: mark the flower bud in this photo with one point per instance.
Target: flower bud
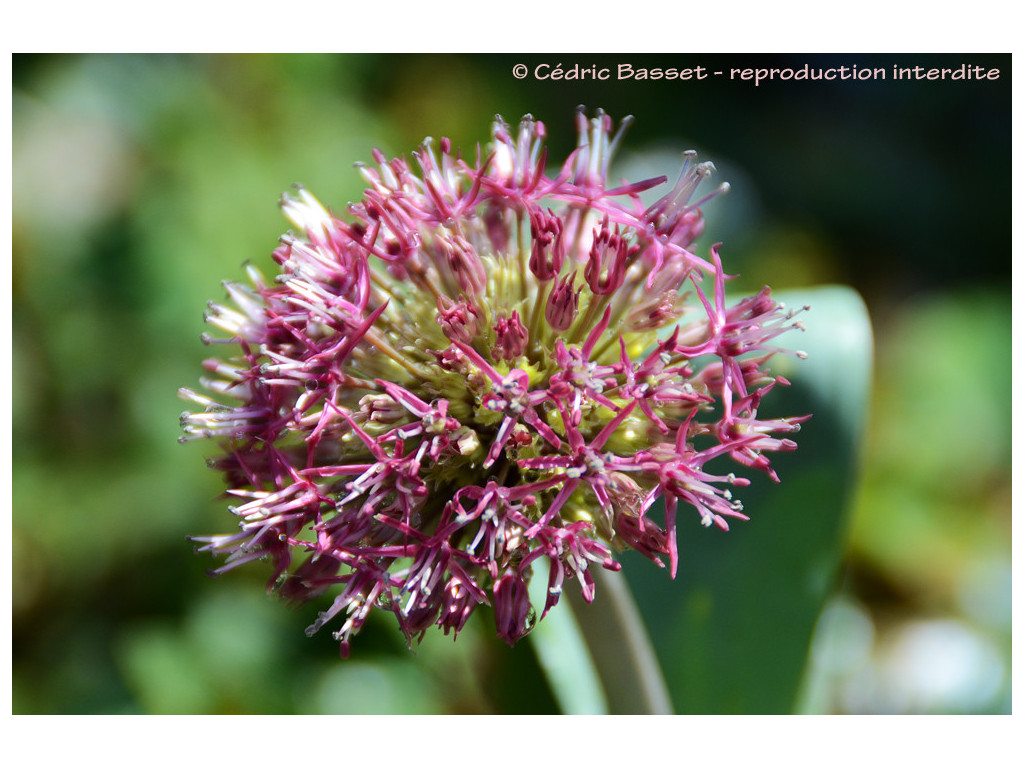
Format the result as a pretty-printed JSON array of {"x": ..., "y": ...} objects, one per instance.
[
  {"x": 511, "y": 337},
  {"x": 458, "y": 320},
  {"x": 563, "y": 303},
  {"x": 609, "y": 256},
  {"x": 511, "y": 607},
  {"x": 548, "y": 251}
]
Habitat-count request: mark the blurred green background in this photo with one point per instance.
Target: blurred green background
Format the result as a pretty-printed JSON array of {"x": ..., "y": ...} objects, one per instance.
[{"x": 142, "y": 181}]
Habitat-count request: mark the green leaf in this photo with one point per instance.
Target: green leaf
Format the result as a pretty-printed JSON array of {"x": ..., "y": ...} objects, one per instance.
[
  {"x": 732, "y": 631},
  {"x": 563, "y": 654}
]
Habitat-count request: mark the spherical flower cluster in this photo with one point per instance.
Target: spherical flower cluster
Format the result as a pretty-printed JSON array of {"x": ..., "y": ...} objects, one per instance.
[{"x": 482, "y": 366}]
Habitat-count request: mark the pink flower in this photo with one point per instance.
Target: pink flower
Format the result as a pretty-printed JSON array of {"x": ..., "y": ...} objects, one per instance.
[{"x": 426, "y": 400}]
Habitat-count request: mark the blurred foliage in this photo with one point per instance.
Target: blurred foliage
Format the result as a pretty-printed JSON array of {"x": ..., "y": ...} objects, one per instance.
[
  {"x": 141, "y": 181},
  {"x": 930, "y": 554}
]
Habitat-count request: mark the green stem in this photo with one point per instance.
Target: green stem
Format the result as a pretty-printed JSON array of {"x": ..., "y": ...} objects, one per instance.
[
  {"x": 621, "y": 648},
  {"x": 598, "y": 657}
]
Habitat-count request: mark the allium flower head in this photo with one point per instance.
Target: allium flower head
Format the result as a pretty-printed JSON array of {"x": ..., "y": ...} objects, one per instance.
[{"x": 481, "y": 365}]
